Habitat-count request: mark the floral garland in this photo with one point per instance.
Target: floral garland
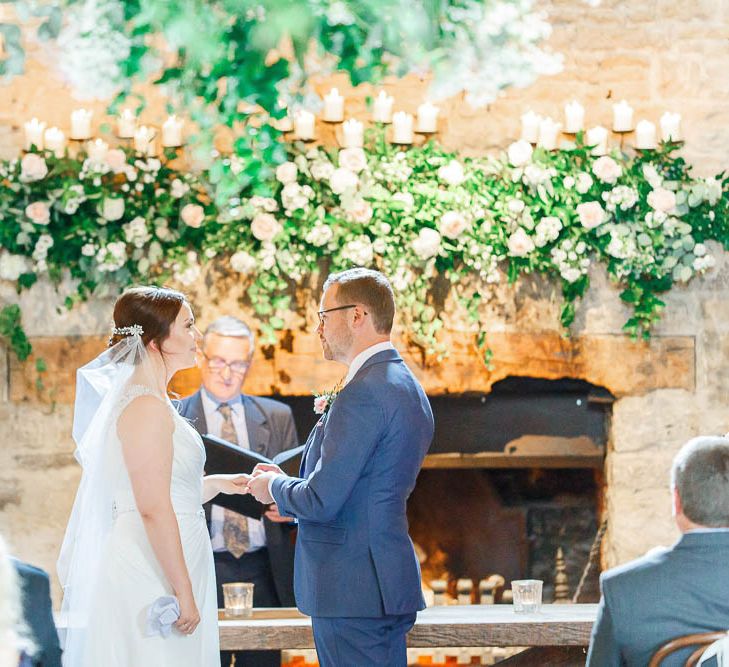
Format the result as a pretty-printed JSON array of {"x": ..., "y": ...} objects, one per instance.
[{"x": 423, "y": 215}]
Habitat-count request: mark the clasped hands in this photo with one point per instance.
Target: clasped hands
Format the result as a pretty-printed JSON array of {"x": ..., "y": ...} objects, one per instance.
[{"x": 257, "y": 485}]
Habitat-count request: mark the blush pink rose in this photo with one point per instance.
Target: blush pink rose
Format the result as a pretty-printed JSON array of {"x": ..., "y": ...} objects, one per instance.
[
  {"x": 192, "y": 215},
  {"x": 591, "y": 214},
  {"x": 360, "y": 211},
  {"x": 661, "y": 199},
  {"x": 520, "y": 243},
  {"x": 320, "y": 404},
  {"x": 38, "y": 213},
  {"x": 116, "y": 159},
  {"x": 353, "y": 159},
  {"x": 33, "y": 168},
  {"x": 606, "y": 169},
  {"x": 265, "y": 227}
]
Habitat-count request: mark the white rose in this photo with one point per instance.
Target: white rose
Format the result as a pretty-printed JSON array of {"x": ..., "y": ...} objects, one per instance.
[
  {"x": 179, "y": 189},
  {"x": 515, "y": 206},
  {"x": 88, "y": 250},
  {"x": 38, "y": 212},
  {"x": 427, "y": 244},
  {"x": 192, "y": 215},
  {"x": 287, "y": 173},
  {"x": 452, "y": 173},
  {"x": 606, "y": 169},
  {"x": 520, "y": 244},
  {"x": 265, "y": 227},
  {"x": 243, "y": 262},
  {"x": 12, "y": 266},
  {"x": 661, "y": 199},
  {"x": 33, "y": 168},
  {"x": 353, "y": 159},
  {"x": 343, "y": 179},
  {"x": 359, "y": 251},
  {"x": 547, "y": 230},
  {"x": 319, "y": 235},
  {"x": 591, "y": 214},
  {"x": 568, "y": 182},
  {"x": 519, "y": 153},
  {"x": 404, "y": 198},
  {"x": 321, "y": 170},
  {"x": 452, "y": 224},
  {"x": 112, "y": 208},
  {"x": 293, "y": 196},
  {"x": 584, "y": 182},
  {"x": 360, "y": 211}
]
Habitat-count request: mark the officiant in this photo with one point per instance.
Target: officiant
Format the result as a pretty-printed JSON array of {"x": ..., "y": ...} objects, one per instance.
[{"x": 245, "y": 549}]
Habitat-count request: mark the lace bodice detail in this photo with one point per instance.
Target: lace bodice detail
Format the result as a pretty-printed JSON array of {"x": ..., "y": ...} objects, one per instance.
[{"x": 187, "y": 463}]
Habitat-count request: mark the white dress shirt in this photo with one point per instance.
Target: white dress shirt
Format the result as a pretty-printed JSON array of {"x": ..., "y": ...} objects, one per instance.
[
  {"x": 354, "y": 366},
  {"x": 214, "y": 420}
]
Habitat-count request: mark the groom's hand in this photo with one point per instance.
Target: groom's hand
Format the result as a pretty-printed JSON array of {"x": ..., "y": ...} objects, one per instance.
[{"x": 258, "y": 487}]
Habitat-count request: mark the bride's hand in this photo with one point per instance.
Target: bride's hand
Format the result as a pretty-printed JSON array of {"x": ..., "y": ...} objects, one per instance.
[
  {"x": 189, "y": 615},
  {"x": 232, "y": 484}
]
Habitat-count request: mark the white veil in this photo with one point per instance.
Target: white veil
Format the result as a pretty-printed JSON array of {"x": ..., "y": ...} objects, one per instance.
[{"x": 100, "y": 388}]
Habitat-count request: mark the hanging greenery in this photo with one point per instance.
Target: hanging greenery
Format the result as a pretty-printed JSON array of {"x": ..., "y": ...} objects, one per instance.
[{"x": 420, "y": 215}]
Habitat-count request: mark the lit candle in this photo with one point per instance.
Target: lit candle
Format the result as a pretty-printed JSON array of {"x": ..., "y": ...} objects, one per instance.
[
  {"x": 671, "y": 126},
  {"x": 333, "y": 106},
  {"x": 172, "y": 132},
  {"x": 530, "y": 127},
  {"x": 304, "y": 125},
  {"x": 81, "y": 124},
  {"x": 427, "y": 117},
  {"x": 574, "y": 117},
  {"x": 645, "y": 135},
  {"x": 402, "y": 128},
  {"x": 55, "y": 141},
  {"x": 34, "y": 134},
  {"x": 548, "y": 133},
  {"x": 622, "y": 117},
  {"x": 126, "y": 124},
  {"x": 353, "y": 134},
  {"x": 144, "y": 141},
  {"x": 97, "y": 150},
  {"x": 382, "y": 108},
  {"x": 597, "y": 137}
]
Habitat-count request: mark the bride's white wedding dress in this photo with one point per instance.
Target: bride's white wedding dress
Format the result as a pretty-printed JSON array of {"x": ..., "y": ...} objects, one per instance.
[{"x": 130, "y": 578}]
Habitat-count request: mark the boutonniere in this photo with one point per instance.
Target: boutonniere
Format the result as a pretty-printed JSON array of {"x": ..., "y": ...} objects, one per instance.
[{"x": 323, "y": 401}]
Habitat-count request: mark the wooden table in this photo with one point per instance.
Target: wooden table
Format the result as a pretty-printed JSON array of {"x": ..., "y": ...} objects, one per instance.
[{"x": 559, "y": 632}]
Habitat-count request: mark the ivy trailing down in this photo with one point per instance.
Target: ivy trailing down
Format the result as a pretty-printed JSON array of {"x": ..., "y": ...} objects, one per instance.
[{"x": 421, "y": 215}]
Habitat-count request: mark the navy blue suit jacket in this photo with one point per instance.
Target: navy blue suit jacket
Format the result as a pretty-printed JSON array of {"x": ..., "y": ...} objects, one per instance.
[
  {"x": 354, "y": 557},
  {"x": 38, "y": 614},
  {"x": 663, "y": 595}
]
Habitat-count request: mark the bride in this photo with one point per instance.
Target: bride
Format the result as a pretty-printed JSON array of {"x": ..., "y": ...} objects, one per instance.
[{"x": 137, "y": 529}]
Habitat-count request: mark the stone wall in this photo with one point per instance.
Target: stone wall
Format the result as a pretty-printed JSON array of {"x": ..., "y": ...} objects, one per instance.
[{"x": 657, "y": 54}]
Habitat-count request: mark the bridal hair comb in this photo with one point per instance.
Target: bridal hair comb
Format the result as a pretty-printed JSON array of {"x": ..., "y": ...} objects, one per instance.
[{"x": 134, "y": 330}]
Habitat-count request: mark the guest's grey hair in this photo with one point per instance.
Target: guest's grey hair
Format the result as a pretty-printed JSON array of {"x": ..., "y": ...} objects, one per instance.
[
  {"x": 700, "y": 474},
  {"x": 369, "y": 288},
  {"x": 232, "y": 327}
]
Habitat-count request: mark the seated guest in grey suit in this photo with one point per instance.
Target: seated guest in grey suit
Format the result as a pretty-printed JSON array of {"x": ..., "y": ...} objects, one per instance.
[
  {"x": 673, "y": 591},
  {"x": 261, "y": 552}
]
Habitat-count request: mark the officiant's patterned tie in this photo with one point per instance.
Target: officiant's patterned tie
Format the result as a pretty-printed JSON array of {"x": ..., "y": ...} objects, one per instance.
[{"x": 235, "y": 526}]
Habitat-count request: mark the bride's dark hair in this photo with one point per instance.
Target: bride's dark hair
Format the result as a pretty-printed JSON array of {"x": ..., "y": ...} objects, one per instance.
[{"x": 153, "y": 308}]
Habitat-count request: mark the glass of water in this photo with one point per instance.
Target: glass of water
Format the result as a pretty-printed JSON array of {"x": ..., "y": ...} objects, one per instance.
[{"x": 527, "y": 595}]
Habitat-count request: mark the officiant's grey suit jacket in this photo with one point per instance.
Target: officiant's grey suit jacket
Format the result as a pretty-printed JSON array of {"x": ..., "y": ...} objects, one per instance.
[
  {"x": 271, "y": 430},
  {"x": 665, "y": 594}
]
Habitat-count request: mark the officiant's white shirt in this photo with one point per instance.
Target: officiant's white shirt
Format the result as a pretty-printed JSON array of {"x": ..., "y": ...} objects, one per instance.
[{"x": 214, "y": 420}]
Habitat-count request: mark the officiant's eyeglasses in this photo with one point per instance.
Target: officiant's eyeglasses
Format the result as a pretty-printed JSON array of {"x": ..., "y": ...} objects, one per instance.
[
  {"x": 217, "y": 364},
  {"x": 321, "y": 313}
]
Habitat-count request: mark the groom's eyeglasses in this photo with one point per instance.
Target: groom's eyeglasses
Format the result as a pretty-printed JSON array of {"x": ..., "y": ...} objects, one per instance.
[
  {"x": 217, "y": 365},
  {"x": 321, "y": 313}
]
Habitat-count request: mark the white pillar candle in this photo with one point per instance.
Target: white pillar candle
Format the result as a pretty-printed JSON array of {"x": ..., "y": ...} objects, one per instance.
[
  {"x": 333, "y": 106},
  {"x": 402, "y": 128},
  {"x": 574, "y": 117},
  {"x": 645, "y": 135},
  {"x": 126, "y": 124},
  {"x": 34, "y": 129},
  {"x": 622, "y": 117},
  {"x": 353, "y": 134},
  {"x": 55, "y": 141},
  {"x": 97, "y": 150},
  {"x": 428, "y": 117},
  {"x": 382, "y": 108},
  {"x": 81, "y": 124},
  {"x": 304, "y": 125},
  {"x": 548, "y": 134},
  {"x": 144, "y": 140},
  {"x": 597, "y": 137},
  {"x": 530, "y": 127},
  {"x": 671, "y": 126},
  {"x": 172, "y": 132}
]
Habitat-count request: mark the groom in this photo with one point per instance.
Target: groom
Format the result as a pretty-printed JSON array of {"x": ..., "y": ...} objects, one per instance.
[{"x": 355, "y": 572}]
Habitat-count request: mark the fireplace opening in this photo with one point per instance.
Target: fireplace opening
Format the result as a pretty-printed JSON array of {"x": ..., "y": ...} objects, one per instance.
[{"x": 512, "y": 488}]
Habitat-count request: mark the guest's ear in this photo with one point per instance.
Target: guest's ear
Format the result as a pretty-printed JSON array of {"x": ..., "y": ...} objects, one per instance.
[{"x": 677, "y": 506}]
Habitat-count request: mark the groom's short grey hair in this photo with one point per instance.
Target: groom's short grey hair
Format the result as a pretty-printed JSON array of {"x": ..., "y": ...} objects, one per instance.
[
  {"x": 370, "y": 288},
  {"x": 700, "y": 474},
  {"x": 227, "y": 325}
]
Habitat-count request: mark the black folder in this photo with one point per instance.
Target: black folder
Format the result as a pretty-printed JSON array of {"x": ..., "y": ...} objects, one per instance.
[{"x": 225, "y": 458}]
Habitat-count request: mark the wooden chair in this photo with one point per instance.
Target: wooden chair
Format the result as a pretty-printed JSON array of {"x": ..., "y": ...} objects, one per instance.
[{"x": 701, "y": 639}]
